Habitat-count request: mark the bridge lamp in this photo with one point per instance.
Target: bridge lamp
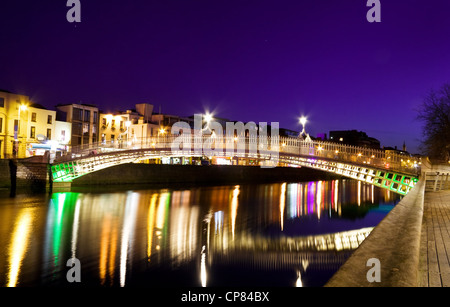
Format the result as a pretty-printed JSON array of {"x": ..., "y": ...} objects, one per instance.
[
  {"x": 208, "y": 118},
  {"x": 128, "y": 124},
  {"x": 303, "y": 121},
  {"x": 162, "y": 131}
]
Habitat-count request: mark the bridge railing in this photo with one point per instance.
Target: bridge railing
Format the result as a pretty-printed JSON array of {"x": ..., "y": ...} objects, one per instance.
[{"x": 246, "y": 146}]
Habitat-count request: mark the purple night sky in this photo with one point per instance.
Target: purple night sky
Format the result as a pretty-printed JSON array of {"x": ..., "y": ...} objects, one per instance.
[{"x": 248, "y": 60}]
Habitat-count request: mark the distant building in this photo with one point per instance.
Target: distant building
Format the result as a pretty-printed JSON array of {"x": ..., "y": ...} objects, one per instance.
[
  {"x": 354, "y": 138},
  {"x": 85, "y": 122},
  {"x": 288, "y": 133},
  {"x": 321, "y": 136},
  {"x": 131, "y": 125}
]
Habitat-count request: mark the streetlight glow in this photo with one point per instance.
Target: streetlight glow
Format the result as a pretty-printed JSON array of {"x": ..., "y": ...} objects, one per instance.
[
  {"x": 303, "y": 120},
  {"x": 208, "y": 117}
]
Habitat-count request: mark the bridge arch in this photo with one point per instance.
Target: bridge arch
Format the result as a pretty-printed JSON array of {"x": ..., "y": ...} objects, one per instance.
[{"x": 391, "y": 171}]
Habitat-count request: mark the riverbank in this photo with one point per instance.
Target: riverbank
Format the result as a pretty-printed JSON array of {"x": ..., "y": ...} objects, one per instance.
[{"x": 23, "y": 173}]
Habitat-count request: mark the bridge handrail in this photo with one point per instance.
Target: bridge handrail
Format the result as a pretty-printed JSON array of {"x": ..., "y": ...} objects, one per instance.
[{"x": 335, "y": 151}]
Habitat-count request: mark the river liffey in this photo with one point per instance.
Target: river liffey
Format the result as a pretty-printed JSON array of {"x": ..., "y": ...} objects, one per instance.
[{"x": 279, "y": 234}]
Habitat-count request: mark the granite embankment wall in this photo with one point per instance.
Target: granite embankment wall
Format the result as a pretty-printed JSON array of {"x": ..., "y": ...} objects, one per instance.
[
  {"x": 395, "y": 242},
  {"x": 23, "y": 174},
  {"x": 213, "y": 174}
]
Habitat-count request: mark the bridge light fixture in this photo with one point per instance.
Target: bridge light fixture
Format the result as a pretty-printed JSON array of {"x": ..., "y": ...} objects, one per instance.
[
  {"x": 303, "y": 120},
  {"x": 128, "y": 124},
  {"x": 208, "y": 117}
]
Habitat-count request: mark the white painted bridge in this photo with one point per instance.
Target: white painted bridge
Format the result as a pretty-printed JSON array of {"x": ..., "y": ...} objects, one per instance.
[{"x": 386, "y": 169}]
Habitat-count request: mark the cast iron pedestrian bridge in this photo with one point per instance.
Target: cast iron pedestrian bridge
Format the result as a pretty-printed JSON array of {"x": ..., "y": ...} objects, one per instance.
[{"x": 386, "y": 169}]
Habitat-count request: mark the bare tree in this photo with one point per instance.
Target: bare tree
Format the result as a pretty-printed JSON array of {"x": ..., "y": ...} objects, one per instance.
[{"x": 435, "y": 115}]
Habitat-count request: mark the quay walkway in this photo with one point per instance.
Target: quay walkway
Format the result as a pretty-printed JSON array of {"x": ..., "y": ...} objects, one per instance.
[{"x": 434, "y": 261}]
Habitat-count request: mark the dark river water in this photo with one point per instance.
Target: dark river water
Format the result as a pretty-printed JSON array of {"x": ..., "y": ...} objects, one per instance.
[{"x": 281, "y": 234}]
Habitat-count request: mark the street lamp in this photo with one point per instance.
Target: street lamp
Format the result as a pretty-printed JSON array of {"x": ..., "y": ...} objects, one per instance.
[
  {"x": 303, "y": 121},
  {"x": 208, "y": 118},
  {"x": 128, "y": 124},
  {"x": 22, "y": 107}
]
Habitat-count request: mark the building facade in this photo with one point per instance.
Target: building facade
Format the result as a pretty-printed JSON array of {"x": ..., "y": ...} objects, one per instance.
[
  {"x": 40, "y": 129},
  {"x": 84, "y": 121},
  {"x": 130, "y": 126},
  {"x": 13, "y": 126},
  {"x": 354, "y": 138},
  {"x": 29, "y": 129}
]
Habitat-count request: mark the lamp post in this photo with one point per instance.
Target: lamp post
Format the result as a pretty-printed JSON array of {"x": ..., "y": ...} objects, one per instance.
[
  {"x": 303, "y": 121},
  {"x": 162, "y": 132},
  {"x": 128, "y": 124},
  {"x": 208, "y": 117},
  {"x": 22, "y": 107},
  {"x": 3, "y": 142}
]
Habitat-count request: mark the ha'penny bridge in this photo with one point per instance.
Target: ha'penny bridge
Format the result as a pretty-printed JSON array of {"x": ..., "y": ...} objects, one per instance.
[
  {"x": 385, "y": 169},
  {"x": 403, "y": 242}
]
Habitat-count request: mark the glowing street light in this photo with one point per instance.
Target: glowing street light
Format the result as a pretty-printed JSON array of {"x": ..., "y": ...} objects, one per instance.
[
  {"x": 22, "y": 107},
  {"x": 208, "y": 118},
  {"x": 303, "y": 121}
]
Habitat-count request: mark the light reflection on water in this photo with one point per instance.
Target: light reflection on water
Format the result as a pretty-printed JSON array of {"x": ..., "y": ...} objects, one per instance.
[{"x": 283, "y": 234}]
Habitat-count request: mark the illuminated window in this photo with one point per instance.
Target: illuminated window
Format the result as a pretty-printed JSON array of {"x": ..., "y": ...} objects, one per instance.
[{"x": 33, "y": 133}]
